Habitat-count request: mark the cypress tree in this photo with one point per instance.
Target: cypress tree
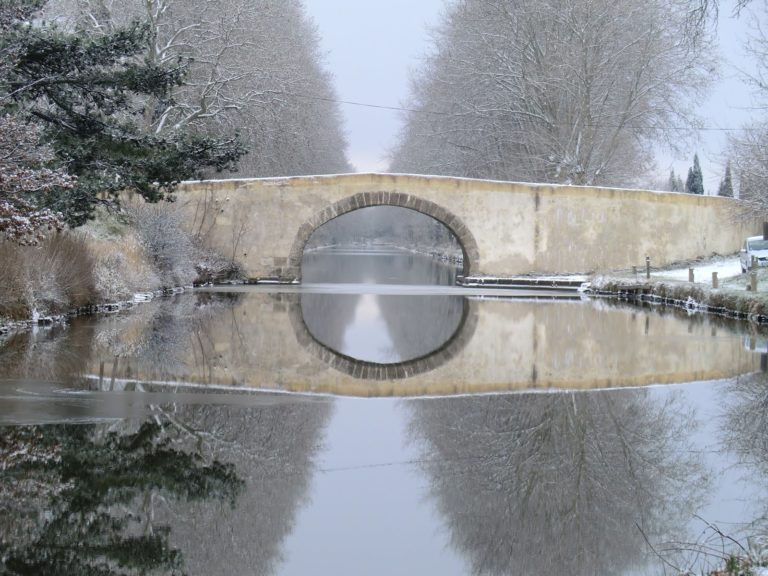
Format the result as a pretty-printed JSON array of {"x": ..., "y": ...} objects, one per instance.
[
  {"x": 694, "y": 184},
  {"x": 726, "y": 184},
  {"x": 675, "y": 183}
]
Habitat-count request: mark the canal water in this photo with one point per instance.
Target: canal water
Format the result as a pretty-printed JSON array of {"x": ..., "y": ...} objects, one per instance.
[{"x": 377, "y": 420}]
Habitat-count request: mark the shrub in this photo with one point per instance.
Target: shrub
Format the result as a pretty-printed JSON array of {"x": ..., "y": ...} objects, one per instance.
[
  {"x": 167, "y": 245},
  {"x": 121, "y": 268},
  {"x": 51, "y": 278},
  {"x": 13, "y": 301}
]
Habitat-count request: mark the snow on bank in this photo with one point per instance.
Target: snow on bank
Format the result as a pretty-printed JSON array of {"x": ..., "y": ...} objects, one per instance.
[{"x": 725, "y": 268}]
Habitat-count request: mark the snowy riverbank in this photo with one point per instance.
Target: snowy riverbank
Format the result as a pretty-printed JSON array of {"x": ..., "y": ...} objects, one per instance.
[{"x": 672, "y": 287}]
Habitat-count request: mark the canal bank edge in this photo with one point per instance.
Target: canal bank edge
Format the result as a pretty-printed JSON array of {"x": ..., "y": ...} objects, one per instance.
[{"x": 727, "y": 302}]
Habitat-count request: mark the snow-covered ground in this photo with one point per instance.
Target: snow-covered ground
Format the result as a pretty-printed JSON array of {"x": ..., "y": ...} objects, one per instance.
[{"x": 725, "y": 268}]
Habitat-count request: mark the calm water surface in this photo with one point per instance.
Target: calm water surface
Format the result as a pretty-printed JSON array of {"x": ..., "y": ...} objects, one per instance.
[{"x": 375, "y": 426}]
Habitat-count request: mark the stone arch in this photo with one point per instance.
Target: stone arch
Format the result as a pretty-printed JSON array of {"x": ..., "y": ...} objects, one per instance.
[
  {"x": 470, "y": 252},
  {"x": 364, "y": 370}
]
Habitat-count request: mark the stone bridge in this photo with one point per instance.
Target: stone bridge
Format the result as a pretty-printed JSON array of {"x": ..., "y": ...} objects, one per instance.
[{"x": 504, "y": 228}]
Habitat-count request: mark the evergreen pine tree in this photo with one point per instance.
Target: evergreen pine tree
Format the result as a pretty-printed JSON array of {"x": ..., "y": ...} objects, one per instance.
[
  {"x": 694, "y": 184},
  {"x": 726, "y": 184},
  {"x": 87, "y": 94},
  {"x": 675, "y": 183}
]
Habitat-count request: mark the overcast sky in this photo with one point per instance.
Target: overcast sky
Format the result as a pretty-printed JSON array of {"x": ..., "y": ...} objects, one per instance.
[{"x": 372, "y": 46}]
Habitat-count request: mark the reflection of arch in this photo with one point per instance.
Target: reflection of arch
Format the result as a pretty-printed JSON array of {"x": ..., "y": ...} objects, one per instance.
[
  {"x": 372, "y": 371},
  {"x": 365, "y": 199}
]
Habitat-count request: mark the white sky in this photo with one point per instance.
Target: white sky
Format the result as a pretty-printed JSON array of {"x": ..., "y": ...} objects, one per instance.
[{"x": 371, "y": 47}]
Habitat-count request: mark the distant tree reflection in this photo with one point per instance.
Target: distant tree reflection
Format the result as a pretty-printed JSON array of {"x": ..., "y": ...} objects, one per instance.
[
  {"x": 745, "y": 427},
  {"x": 191, "y": 480},
  {"x": 90, "y": 489},
  {"x": 274, "y": 448},
  {"x": 557, "y": 483},
  {"x": 196, "y": 488}
]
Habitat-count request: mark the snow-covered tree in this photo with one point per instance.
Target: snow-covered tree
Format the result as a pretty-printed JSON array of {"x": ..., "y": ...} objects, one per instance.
[
  {"x": 749, "y": 153},
  {"x": 572, "y": 91},
  {"x": 87, "y": 94},
  {"x": 675, "y": 183},
  {"x": 25, "y": 181},
  {"x": 26, "y": 175},
  {"x": 254, "y": 67},
  {"x": 694, "y": 184},
  {"x": 748, "y": 148},
  {"x": 726, "y": 184}
]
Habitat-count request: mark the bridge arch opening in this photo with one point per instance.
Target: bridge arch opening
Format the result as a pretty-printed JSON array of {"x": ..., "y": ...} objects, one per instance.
[
  {"x": 464, "y": 238},
  {"x": 378, "y": 371}
]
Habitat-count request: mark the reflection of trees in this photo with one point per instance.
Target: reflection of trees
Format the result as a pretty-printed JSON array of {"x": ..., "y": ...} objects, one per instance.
[
  {"x": 746, "y": 422},
  {"x": 161, "y": 334},
  {"x": 395, "y": 267},
  {"x": 556, "y": 483},
  {"x": 271, "y": 441},
  {"x": 44, "y": 354},
  {"x": 267, "y": 443},
  {"x": 92, "y": 499},
  {"x": 92, "y": 488},
  {"x": 273, "y": 448},
  {"x": 416, "y": 325},
  {"x": 746, "y": 431}
]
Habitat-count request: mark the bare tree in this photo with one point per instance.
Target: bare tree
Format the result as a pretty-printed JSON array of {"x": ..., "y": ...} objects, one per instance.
[
  {"x": 252, "y": 67},
  {"x": 572, "y": 91},
  {"x": 748, "y": 148}
]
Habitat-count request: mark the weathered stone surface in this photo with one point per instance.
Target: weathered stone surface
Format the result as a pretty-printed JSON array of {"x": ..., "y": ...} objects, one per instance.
[{"x": 505, "y": 228}]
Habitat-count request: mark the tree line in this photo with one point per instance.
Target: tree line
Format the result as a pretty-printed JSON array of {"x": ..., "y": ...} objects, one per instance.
[
  {"x": 562, "y": 91},
  {"x": 99, "y": 97},
  {"x": 574, "y": 92}
]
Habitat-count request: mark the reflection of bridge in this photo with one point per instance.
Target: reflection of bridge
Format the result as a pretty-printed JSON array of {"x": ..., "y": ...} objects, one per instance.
[
  {"x": 504, "y": 228},
  {"x": 500, "y": 346}
]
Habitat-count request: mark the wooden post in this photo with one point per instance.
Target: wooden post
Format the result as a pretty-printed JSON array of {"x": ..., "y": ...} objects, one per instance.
[
  {"x": 765, "y": 230},
  {"x": 715, "y": 283},
  {"x": 648, "y": 267},
  {"x": 690, "y": 275},
  {"x": 753, "y": 281},
  {"x": 114, "y": 374},
  {"x": 753, "y": 263}
]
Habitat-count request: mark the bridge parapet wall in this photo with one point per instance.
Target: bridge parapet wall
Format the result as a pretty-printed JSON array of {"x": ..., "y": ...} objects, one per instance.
[{"x": 505, "y": 228}]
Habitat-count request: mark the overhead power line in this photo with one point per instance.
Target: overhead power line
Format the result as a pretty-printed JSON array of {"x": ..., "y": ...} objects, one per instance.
[{"x": 441, "y": 113}]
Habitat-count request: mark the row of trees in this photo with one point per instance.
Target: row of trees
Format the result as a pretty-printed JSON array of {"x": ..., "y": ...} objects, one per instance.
[
  {"x": 575, "y": 91},
  {"x": 99, "y": 96},
  {"x": 567, "y": 91},
  {"x": 252, "y": 67},
  {"x": 694, "y": 183}
]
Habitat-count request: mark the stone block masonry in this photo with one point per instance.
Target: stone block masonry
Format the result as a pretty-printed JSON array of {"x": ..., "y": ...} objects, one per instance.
[{"x": 504, "y": 228}]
